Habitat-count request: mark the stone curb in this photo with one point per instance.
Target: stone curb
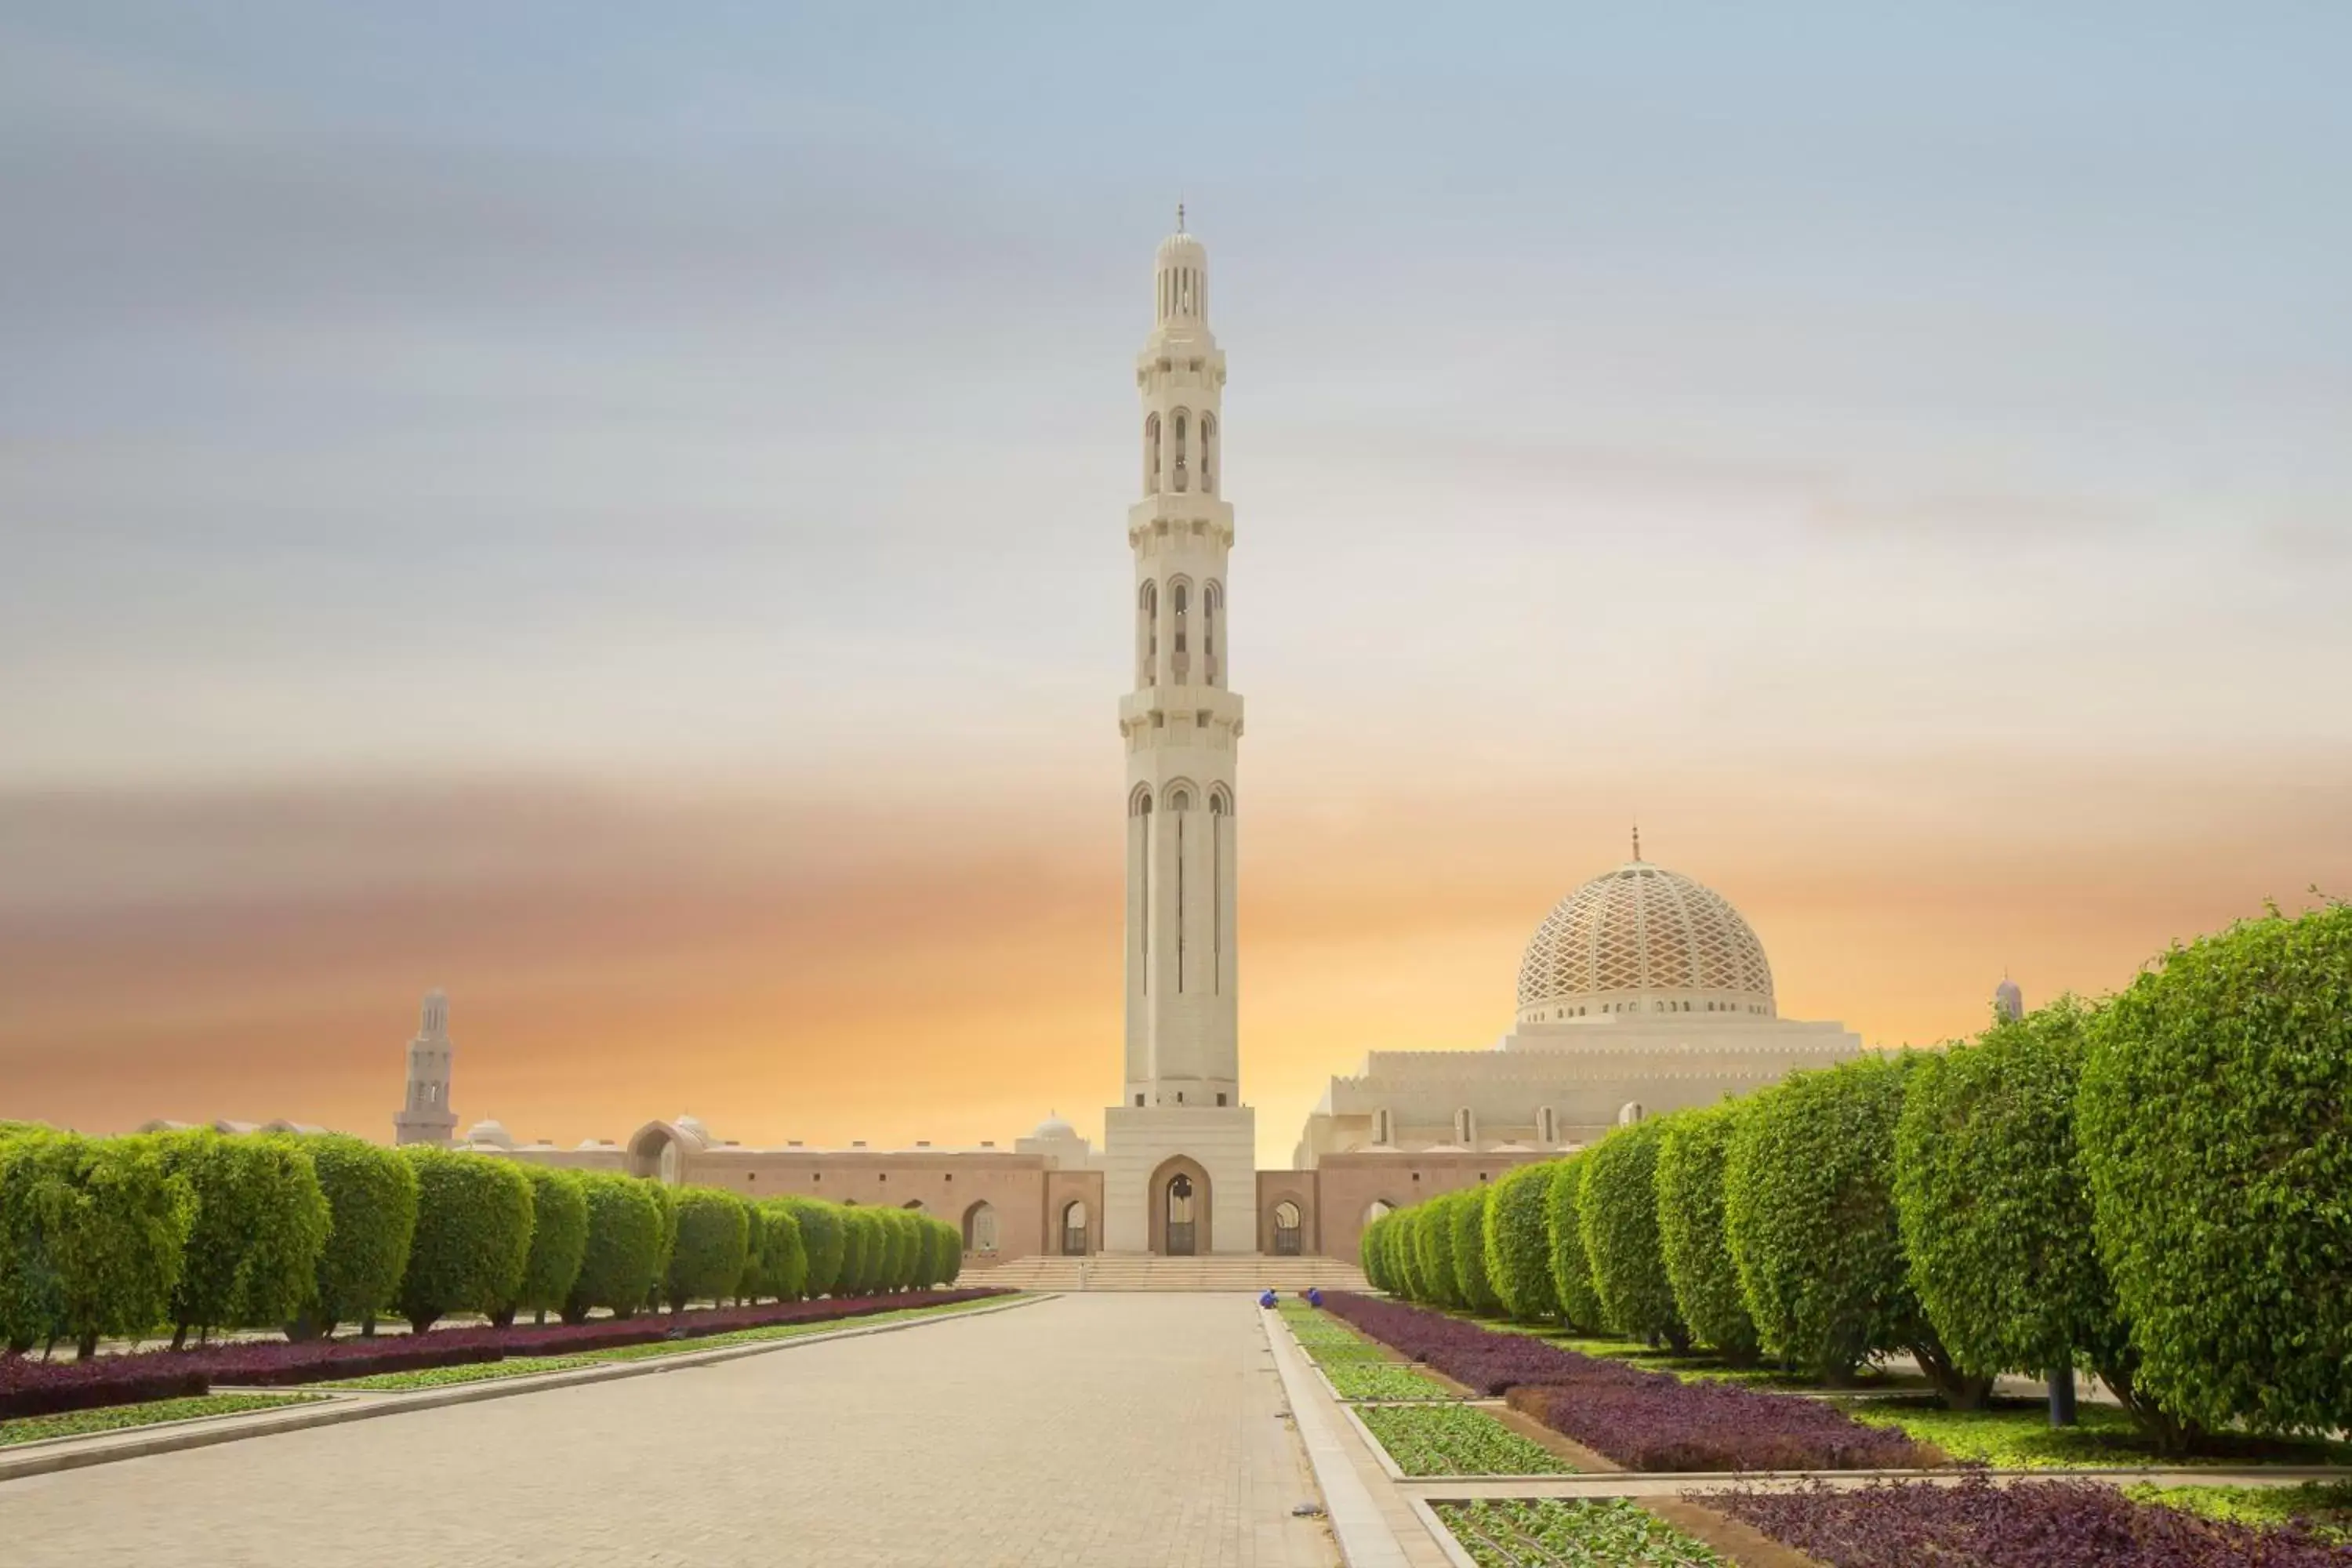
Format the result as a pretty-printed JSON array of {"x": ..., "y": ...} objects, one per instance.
[
  {"x": 1364, "y": 1537},
  {"x": 352, "y": 1405}
]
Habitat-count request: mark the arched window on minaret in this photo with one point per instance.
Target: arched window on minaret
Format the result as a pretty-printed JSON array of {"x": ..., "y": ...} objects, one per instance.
[
  {"x": 1151, "y": 455},
  {"x": 1139, "y": 810},
  {"x": 1147, "y": 635},
  {"x": 1221, "y": 806},
  {"x": 1180, "y": 805},
  {"x": 1212, "y": 608},
  {"x": 1180, "y": 604},
  {"x": 1208, "y": 454},
  {"x": 1177, "y": 468}
]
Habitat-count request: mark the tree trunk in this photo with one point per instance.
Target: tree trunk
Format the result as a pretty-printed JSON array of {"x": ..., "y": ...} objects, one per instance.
[
  {"x": 2172, "y": 1435},
  {"x": 179, "y": 1336},
  {"x": 1958, "y": 1390},
  {"x": 86, "y": 1347}
]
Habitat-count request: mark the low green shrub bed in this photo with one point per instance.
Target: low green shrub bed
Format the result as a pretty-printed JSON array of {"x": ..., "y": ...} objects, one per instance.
[
  {"x": 1383, "y": 1380},
  {"x": 116, "y": 1417},
  {"x": 1455, "y": 1441},
  {"x": 2016, "y": 1435},
  {"x": 485, "y": 1372},
  {"x": 1550, "y": 1532},
  {"x": 2322, "y": 1509}
]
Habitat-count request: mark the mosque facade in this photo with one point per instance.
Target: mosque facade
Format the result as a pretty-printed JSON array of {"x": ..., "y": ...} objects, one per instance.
[{"x": 1644, "y": 991}]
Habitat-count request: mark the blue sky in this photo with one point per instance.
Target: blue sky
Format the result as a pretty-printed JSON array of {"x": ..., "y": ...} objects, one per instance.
[{"x": 1923, "y": 429}]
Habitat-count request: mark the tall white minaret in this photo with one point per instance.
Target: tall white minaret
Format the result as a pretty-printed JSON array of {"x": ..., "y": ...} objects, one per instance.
[
  {"x": 1180, "y": 723},
  {"x": 1179, "y": 1149},
  {"x": 424, "y": 1115}
]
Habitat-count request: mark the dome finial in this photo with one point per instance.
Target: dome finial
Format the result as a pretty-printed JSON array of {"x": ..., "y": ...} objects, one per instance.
[
  {"x": 1179, "y": 215},
  {"x": 1637, "y": 841}
]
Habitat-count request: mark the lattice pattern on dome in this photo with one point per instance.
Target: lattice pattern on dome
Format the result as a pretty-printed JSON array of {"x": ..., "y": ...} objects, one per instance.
[{"x": 1643, "y": 928}]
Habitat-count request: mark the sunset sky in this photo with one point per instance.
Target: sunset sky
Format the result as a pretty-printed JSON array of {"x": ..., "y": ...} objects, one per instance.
[{"x": 618, "y": 511}]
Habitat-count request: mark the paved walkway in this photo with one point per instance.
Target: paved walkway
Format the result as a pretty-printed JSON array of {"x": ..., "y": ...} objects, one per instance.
[{"x": 1096, "y": 1431}]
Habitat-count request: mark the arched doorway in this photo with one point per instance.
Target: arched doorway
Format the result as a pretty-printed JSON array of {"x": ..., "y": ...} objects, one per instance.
[
  {"x": 655, "y": 1152},
  {"x": 1285, "y": 1229},
  {"x": 980, "y": 1229},
  {"x": 1073, "y": 1229},
  {"x": 1178, "y": 1196},
  {"x": 1379, "y": 1208}
]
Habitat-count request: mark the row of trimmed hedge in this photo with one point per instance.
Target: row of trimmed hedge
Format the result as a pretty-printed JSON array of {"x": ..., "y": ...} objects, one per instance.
[
  {"x": 200, "y": 1231},
  {"x": 2151, "y": 1187}
]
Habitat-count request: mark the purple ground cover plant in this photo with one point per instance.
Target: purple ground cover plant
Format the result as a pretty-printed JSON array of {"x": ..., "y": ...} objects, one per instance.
[
  {"x": 33, "y": 1387},
  {"x": 2031, "y": 1524},
  {"x": 1644, "y": 1420}
]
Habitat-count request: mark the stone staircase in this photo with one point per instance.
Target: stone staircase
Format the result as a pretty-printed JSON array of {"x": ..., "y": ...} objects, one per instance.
[{"x": 1137, "y": 1271}]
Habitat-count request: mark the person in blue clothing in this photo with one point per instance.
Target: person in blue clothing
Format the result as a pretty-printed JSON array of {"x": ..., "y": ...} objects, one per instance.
[{"x": 1269, "y": 1299}]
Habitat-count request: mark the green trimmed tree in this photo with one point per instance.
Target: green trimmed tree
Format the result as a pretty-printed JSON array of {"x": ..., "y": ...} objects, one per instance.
[
  {"x": 1809, "y": 1210},
  {"x": 1571, "y": 1267},
  {"x": 858, "y": 1247},
  {"x": 473, "y": 1234},
  {"x": 707, "y": 1260},
  {"x": 1691, "y": 1156},
  {"x": 1432, "y": 1242},
  {"x": 1618, "y": 1219},
  {"x": 261, "y": 1223},
  {"x": 822, "y": 1241},
  {"x": 783, "y": 1257},
  {"x": 1467, "y": 1223},
  {"x": 1996, "y": 1214},
  {"x": 906, "y": 1248},
  {"x": 93, "y": 1237},
  {"x": 371, "y": 1194},
  {"x": 753, "y": 1285},
  {"x": 1409, "y": 1224},
  {"x": 621, "y": 1265},
  {"x": 2215, "y": 1127},
  {"x": 1371, "y": 1255},
  {"x": 1518, "y": 1249},
  {"x": 559, "y": 1243},
  {"x": 947, "y": 1258}
]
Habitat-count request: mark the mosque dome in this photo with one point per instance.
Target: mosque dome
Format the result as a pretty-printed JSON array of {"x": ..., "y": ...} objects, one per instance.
[
  {"x": 1643, "y": 939},
  {"x": 1054, "y": 1127},
  {"x": 491, "y": 1133},
  {"x": 692, "y": 1126}
]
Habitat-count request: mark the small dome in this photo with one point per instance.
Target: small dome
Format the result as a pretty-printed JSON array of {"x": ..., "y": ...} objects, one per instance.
[
  {"x": 490, "y": 1132},
  {"x": 1639, "y": 935},
  {"x": 693, "y": 1128},
  {"x": 1054, "y": 1127},
  {"x": 2008, "y": 1000}
]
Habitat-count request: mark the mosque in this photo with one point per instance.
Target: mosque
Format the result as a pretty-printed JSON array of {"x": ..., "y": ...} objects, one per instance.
[{"x": 1642, "y": 989}]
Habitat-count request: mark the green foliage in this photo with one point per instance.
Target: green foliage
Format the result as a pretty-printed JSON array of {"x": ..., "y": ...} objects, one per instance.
[
  {"x": 780, "y": 1270},
  {"x": 753, "y": 1285},
  {"x": 1556, "y": 1533},
  {"x": 1467, "y": 1222},
  {"x": 707, "y": 1260},
  {"x": 559, "y": 1238},
  {"x": 1432, "y": 1249},
  {"x": 1519, "y": 1249},
  {"x": 859, "y": 1243},
  {"x": 1996, "y": 1214},
  {"x": 906, "y": 1246},
  {"x": 1691, "y": 1156},
  {"x": 1619, "y": 1220},
  {"x": 1571, "y": 1266},
  {"x": 2213, "y": 1129},
  {"x": 1455, "y": 1440},
  {"x": 261, "y": 1223},
  {"x": 93, "y": 1234},
  {"x": 1410, "y": 1283},
  {"x": 1809, "y": 1210},
  {"x": 622, "y": 1262},
  {"x": 948, "y": 1263},
  {"x": 822, "y": 1241},
  {"x": 1371, "y": 1257},
  {"x": 371, "y": 1194},
  {"x": 473, "y": 1234},
  {"x": 116, "y": 1417}
]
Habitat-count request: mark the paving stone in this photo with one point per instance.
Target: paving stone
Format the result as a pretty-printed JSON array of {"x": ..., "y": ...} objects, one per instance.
[{"x": 1091, "y": 1431}]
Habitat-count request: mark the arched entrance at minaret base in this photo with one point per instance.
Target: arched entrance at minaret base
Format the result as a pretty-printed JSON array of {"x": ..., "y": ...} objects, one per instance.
[
  {"x": 1180, "y": 1187},
  {"x": 1144, "y": 1146}
]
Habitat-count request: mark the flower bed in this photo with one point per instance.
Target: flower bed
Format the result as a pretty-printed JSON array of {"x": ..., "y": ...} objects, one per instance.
[
  {"x": 2032, "y": 1524},
  {"x": 29, "y": 1387},
  {"x": 118, "y": 1417},
  {"x": 1383, "y": 1380},
  {"x": 1644, "y": 1420},
  {"x": 1455, "y": 1441},
  {"x": 1550, "y": 1533}
]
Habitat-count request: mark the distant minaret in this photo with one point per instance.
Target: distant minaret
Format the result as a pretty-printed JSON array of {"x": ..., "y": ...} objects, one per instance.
[
  {"x": 2008, "y": 1001},
  {"x": 1180, "y": 721},
  {"x": 424, "y": 1115}
]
